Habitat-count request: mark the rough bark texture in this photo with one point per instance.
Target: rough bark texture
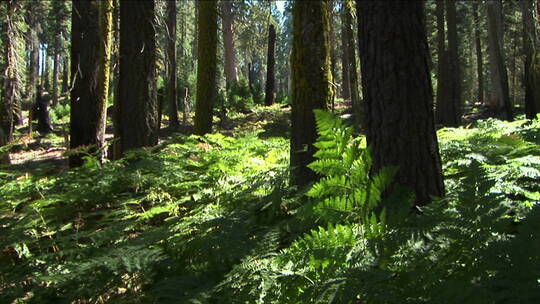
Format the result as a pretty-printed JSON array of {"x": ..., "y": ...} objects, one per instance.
[
  {"x": 137, "y": 108},
  {"x": 227, "y": 19},
  {"x": 479, "y": 56},
  {"x": 398, "y": 94},
  {"x": 531, "y": 64},
  {"x": 499, "y": 102},
  {"x": 270, "y": 66},
  {"x": 90, "y": 51},
  {"x": 206, "y": 66},
  {"x": 9, "y": 106},
  {"x": 311, "y": 80},
  {"x": 357, "y": 106},
  {"x": 172, "y": 85}
]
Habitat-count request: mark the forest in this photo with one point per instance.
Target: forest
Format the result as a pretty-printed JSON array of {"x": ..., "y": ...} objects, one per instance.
[{"x": 250, "y": 151}]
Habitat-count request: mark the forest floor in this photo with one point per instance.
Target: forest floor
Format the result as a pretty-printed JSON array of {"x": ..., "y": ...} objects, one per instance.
[{"x": 213, "y": 219}]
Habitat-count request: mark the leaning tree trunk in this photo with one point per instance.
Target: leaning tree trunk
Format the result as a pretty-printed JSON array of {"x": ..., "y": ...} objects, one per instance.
[
  {"x": 479, "y": 56},
  {"x": 499, "y": 103},
  {"x": 137, "y": 109},
  {"x": 90, "y": 51},
  {"x": 172, "y": 85},
  {"x": 270, "y": 66},
  {"x": 398, "y": 94},
  {"x": 531, "y": 64},
  {"x": 311, "y": 80},
  {"x": 227, "y": 19},
  {"x": 206, "y": 66}
]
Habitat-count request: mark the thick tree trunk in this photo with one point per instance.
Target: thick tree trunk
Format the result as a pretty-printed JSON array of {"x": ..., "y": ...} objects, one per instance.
[
  {"x": 271, "y": 61},
  {"x": 90, "y": 51},
  {"x": 479, "y": 56},
  {"x": 206, "y": 66},
  {"x": 311, "y": 80},
  {"x": 398, "y": 94},
  {"x": 137, "y": 108},
  {"x": 499, "y": 103},
  {"x": 531, "y": 62},
  {"x": 227, "y": 19},
  {"x": 10, "y": 108},
  {"x": 172, "y": 85}
]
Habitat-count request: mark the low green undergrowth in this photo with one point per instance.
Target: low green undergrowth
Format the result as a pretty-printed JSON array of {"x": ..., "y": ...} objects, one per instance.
[{"x": 213, "y": 220}]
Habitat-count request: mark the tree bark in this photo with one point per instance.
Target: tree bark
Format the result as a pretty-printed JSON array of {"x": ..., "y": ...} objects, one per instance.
[
  {"x": 312, "y": 82},
  {"x": 345, "y": 81},
  {"x": 206, "y": 66},
  {"x": 357, "y": 106},
  {"x": 398, "y": 94},
  {"x": 499, "y": 103},
  {"x": 90, "y": 51},
  {"x": 10, "y": 107},
  {"x": 270, "y": 66},
  {"x": 227, "y": 19},
  {"x": 531, "y": 63},
  {"x": 172, "y": 85},
  {"x": 137, "y": 108},
  {"x": 34, "y": 60},
  {"x": 479, "y": 56}
]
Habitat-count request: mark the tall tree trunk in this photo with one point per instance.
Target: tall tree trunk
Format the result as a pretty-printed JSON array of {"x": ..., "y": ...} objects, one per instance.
[
  {"x": 9, "y": 107},
  {"x": 137, "y": 108},
  {"x": 499, "y": 103},
  {"x": 345, "y": 81},
  {"x": 56, "y": 68},
  {"x": 455, "y": 65},
  {"x": 90, "y": 51},
  {"x": 311, "y": 80},
  {"x": 65, "y": 74},
  {"x": 227, "y": 19},
  {"x": 206, "y": 66},
  {"x": 271, "y": 61},
  {"x": 333, "y": 53},
  {"x": 357, "y": 106},
  {"x": 398, "y": 94},
  {"x": 34, "y": 60},
  {"x": 531, "y": 62},
  {"x": 172, "y": 85},
  {"x": 479, "y": 56},
  {"x": 46, "y": 79}
]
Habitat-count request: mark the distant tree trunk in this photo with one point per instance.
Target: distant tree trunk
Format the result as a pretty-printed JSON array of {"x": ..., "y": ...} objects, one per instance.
[
  {"x": 333, "y": 53},
  {"x": 46, "y": 79},
  {"x": 227, "y": 19},
  {"x": 531, "y": 64},
  {"x": 499, "y": 103},
  {"x": 56, "y": 68},
  {"x": 172, "y": 85},
  {"x": 398, "y": 94},
  {"x": 34, "y": 60},
  {"x": 357, "y": 106},
  {"x": 455, "y": 65},
  {"x": 65, "y": 75},
  {"x": 90, "y": 51},
  {"x": 311, "y": 80},
  {"x": 479, "y": 56},
  {"x": 448, "y": 110},
  {"x": 137, "y": 108},
  {"x": 345, "y": 81},
  {"x": 206, "y": 66},
  {"x": 271, "y": 61},
  {"x": 10, "y": 107}
]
